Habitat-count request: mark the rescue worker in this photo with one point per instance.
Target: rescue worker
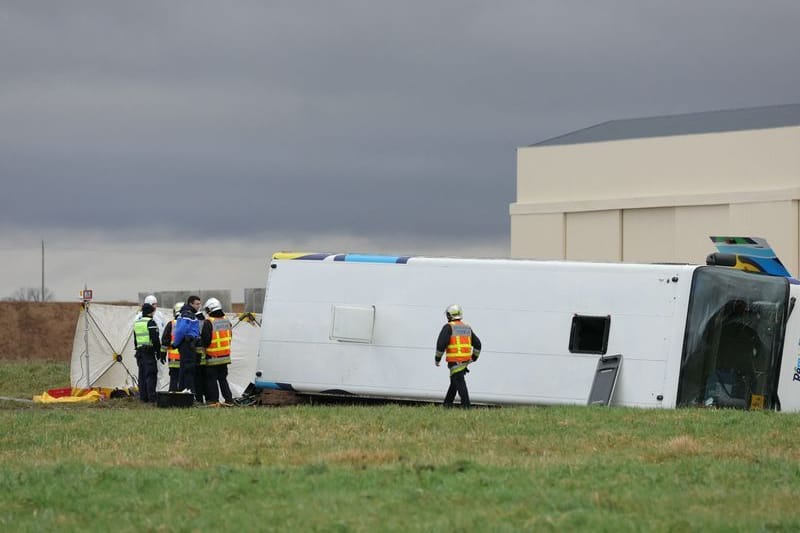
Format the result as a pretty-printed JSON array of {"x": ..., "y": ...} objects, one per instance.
[
  {"x": 218, "y": 353},
  {"x": 462, "y": 347},
  {"x": 157, "y": 316},
  {"x": 148, "y": 346},
  {"x": 185, "y": 339},
  {"x": 171, "y": 354}
]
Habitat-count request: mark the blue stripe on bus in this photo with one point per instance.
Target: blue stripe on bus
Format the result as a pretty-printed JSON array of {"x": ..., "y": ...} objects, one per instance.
[
  {"x": 359, "y": 258},
  {"x": 356, "y": 258},
  {"x": 273, "y": 385}
]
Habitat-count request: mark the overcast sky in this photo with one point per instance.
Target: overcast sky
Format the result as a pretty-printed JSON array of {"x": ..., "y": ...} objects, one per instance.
[{"x": 177, "y": 145}]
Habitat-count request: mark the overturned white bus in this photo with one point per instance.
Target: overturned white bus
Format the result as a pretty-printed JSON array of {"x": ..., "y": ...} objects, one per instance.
[{"x": 688, "y": 335}]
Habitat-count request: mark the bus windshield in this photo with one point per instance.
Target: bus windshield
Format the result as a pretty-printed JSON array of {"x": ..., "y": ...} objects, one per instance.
[{"x": 734, "y": 338}]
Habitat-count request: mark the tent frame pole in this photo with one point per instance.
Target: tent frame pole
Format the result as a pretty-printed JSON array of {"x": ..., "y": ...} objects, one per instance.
[{"x": 86, "y": 342}]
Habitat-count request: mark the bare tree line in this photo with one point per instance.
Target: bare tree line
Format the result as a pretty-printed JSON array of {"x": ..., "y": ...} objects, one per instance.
[{"x": 31, "y": 294}]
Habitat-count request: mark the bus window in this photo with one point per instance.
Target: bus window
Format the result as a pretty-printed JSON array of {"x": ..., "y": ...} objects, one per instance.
[
  {"x": 589, "y": 334},
  {"x": 734, "y": 338}
]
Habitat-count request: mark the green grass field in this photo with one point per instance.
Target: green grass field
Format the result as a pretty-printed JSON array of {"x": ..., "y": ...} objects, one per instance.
[
  {"x": 394, "y": 468},
  {"x": 23, "y": 379}
]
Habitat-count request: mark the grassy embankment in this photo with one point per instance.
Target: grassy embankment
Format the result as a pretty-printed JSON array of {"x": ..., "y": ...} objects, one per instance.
[
  {"x": 23, "y": 379},
  {"x": 394, "y": 467}
]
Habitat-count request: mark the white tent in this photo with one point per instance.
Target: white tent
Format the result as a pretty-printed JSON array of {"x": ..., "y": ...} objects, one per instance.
[{"x": 104, "y": 343}]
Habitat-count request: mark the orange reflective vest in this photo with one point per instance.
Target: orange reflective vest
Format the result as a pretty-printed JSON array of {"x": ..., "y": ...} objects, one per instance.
[
  {"x": 460, "y": 347},
  {"x": 173, "y": 355},
  {"x": 219, "y": 351}
]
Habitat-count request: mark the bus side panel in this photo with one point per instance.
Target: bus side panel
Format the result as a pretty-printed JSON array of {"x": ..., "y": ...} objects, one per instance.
[
  {"x": 675, "y": 339},
  {"x": 522, "y": 313}
]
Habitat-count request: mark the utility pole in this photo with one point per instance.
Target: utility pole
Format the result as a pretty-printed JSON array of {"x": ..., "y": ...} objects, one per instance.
[{"x": 42, "y": 296}]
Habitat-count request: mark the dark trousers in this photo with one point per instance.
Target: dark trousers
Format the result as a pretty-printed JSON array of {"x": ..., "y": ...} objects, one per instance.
[
  {"x": 148, "y": 375},
  {"x": 200, "y": 381},
  {"x": 458, "y": 384},
  {"x": 216, "y": 382},
  {"x": 188, "y": 368},
  {"x": 173, "y": 379}
]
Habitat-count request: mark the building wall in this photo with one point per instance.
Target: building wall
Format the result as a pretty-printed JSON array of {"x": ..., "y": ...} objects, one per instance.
[
  {"x": 594, "y": 236},
  {"x": 658, "y": 199},
  {"x": 539, "y": 236},
  {"x": 660, "y": 166}
]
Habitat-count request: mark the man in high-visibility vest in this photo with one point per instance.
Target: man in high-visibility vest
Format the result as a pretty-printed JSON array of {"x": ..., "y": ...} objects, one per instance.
[
  {"x": 218, "y": 354},
  {"x": 172, "y": 355},
  {"x": 148, "y": 346},
  {"x": 462, "y": 347}
]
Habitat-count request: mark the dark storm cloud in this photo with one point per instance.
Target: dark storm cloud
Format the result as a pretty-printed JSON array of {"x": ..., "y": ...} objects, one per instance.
[{"x": 370, "y": 118}]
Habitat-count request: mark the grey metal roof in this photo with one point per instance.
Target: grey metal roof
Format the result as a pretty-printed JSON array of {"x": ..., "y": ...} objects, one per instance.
[{"x": 753, "y": 118}]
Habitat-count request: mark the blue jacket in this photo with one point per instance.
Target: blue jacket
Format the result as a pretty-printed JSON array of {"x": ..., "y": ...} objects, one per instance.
[{"x": 187, "y": 325}]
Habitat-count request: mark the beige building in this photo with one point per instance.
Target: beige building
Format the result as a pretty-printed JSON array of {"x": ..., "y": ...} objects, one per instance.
[{"x": 654, "y": 189}]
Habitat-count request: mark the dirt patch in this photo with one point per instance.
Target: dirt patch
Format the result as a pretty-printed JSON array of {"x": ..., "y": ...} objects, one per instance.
[
  {"x": 279, "y": 398},
  {"x": 33, "y": 330}
]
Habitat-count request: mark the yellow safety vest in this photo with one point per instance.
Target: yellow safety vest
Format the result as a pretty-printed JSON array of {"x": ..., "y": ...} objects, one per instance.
[
  {"x": 142, "y": 333},
  {"x": 460, "y": 348},
  {"x": 219, "y": 351}
]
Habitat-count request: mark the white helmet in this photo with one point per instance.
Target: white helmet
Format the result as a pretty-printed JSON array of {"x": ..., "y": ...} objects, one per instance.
[
  {"x": 151, "y": 299},
  {"x": 453, "y": 312},
  {"x": 212, "y": 304},
  {"x": 176, "y": 309}
]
